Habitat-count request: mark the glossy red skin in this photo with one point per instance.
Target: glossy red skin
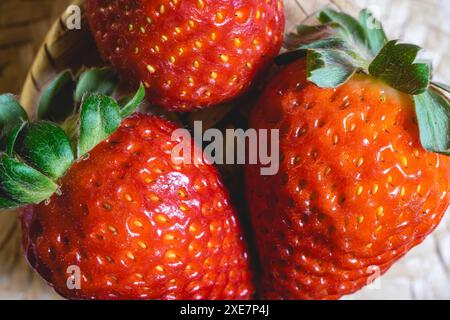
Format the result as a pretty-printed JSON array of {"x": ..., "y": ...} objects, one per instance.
[
  {"x": 319, "y": 234},
  {"x": 225, "y": 69},
  {"x": 138, "y": 226}
]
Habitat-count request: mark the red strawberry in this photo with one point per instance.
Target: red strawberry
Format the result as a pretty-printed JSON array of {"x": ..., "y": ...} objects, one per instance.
[
  {"x": 137, "y": 226},
  {"x": 356, "y": 189},
  {"x": 190, "y": 53}
]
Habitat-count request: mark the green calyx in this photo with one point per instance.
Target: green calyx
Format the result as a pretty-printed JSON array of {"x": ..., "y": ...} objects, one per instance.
[
  {"x": 74, "y": 116},
  {"x": 342, "y": 45}
]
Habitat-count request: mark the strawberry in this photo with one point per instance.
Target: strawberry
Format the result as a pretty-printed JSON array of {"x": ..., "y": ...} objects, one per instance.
[
  {"x": 189, "y": 54},
  {"x": 359, "y": 184},
  {"x": 136, "y": 225}
]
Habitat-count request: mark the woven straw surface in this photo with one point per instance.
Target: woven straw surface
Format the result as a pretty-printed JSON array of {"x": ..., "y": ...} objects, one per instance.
[{"x": 424, "y": 273}]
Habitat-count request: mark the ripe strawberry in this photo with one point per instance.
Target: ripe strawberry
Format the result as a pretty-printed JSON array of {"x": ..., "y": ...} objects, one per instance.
[
  {"x": 356, "y": 189},
  {"x": 189, "y": 54},
  {"x": 135, "y": 224}
]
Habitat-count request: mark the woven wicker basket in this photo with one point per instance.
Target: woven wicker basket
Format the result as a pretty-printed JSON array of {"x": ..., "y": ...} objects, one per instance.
[{"x": 63, "y": 49}]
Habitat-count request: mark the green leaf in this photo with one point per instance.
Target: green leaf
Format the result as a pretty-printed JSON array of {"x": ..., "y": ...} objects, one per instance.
[
  {"x": 374, "y": 31},
  {"x": 46, "y": 147},
  {"x": 133, "y": 103},
  {"x": 11, "y": 115},
  {"x": 290, "y": 56},
  {"x": 57, "y": 102},
  {"x": 396, "y": 64},
  {"x": 102, "y": 81},
  {"x": 433, "y": 116},
  {"x": 100, "y": 117},
  {"x": 330, "y": 43},
  {"x": 329, "y": 68},
  {"x": 11, "y": 141},
  {"x": 349, "y": 28},
  {"x": 330, "y": 62},
  {"x": 22, "y": 183}
]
